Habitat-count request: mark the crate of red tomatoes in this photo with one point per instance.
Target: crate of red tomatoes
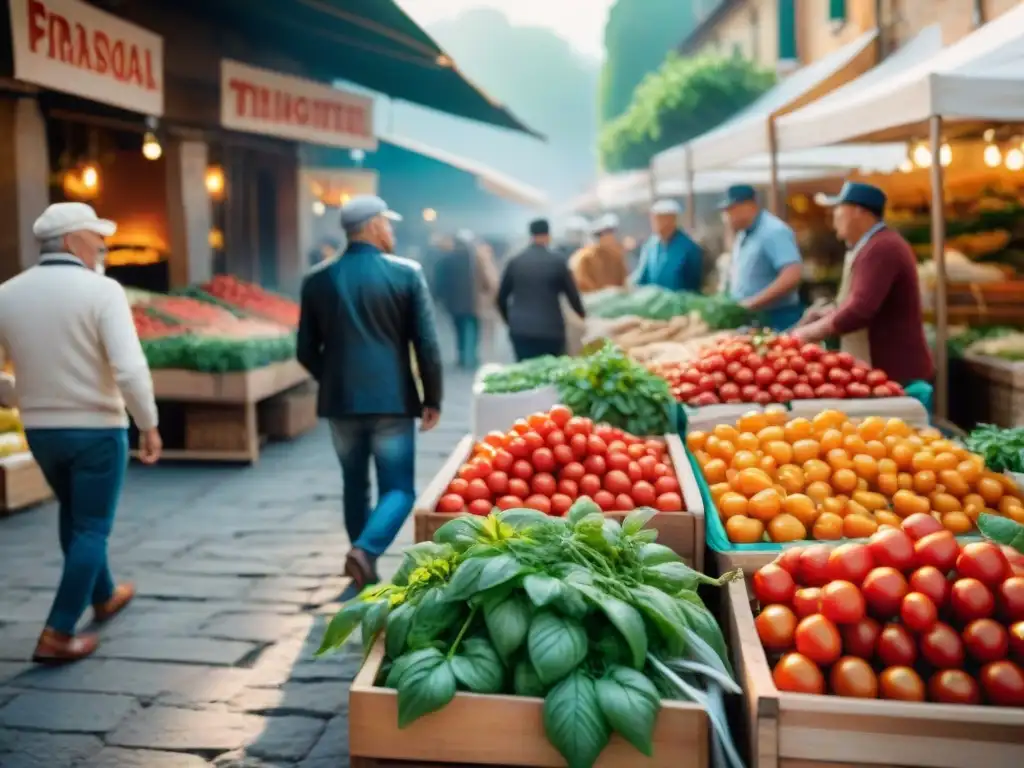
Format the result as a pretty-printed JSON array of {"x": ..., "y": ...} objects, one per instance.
[
  {"x": 906, "y": 649},
  {"x": 549, "y": 459}
]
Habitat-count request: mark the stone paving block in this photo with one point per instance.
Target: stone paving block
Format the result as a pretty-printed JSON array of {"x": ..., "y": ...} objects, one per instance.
[
  {"x": 286, "y": 738},
  {"x": 17, "y": 641},
  {"x": 183, "y": 619},
  {"x": 25, "y": 605},
  {"x": 207, "y": 686},
  {"x": 321, "y": 700},
  {"x": 64, "y": 712},
  {"x": 115, "y": 757},
  {"x": 255, "y": 627},
  {"x": 195, "y": 587},
  {"x": 274, "y": 594},
  {"x": 185, "y": 730},
  {"x": 331, "y": 749},
  {"x": 207, "y": 566},
  {"x": 187, "y": 650},
  {"x": 132, "y": 678},
  {"x": 11, "y": 669},
  {"x": 28, "y": 749}
]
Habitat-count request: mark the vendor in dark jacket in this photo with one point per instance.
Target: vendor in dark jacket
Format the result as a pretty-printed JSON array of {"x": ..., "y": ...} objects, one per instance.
[
  {"x": 360, "y": 315},
  {"x": 878, "y": 313},
  {"x": 532, "y": 284}
]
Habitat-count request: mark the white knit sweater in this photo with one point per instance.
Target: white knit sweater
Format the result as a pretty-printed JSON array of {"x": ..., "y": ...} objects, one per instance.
[{"x": 77, "y": 359}]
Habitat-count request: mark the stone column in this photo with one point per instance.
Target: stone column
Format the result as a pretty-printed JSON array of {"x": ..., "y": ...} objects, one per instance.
[
  {"x": 24, "y": 181},
  {"x": 189, "y": 212}
]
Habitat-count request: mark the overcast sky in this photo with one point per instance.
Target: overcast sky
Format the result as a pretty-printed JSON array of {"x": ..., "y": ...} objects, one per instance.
[{"x": 581, "y": 22}]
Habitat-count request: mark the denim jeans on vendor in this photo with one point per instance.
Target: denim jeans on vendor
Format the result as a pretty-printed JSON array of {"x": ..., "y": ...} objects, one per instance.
[
  {"x": 467, "y": 340},
  {"x": 390, "y": 441},
  {"x": 85, "y": 469}
]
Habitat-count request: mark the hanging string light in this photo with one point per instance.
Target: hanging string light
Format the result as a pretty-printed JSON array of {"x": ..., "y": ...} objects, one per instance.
[
  {"x": 993, "y": 156},
  {"x": 945, "y": 155},
  {"x": 1014, "y": 159},
  {"x": 922, "y": 156}
]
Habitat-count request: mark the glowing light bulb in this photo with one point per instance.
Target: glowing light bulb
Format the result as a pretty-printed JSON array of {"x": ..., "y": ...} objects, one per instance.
[
  {"x": 922, "y": 156},
  {"x": 990, "y": 135},
  {"x": 993, "y": 156},
  {"x": 214, "y": 180},
  {"x": 429, "y": 215},
  {"x": 1014, "y": 160},
  {"x": 319, "y": 209},
  {"x": 907, "y": 165},
  {"x": 151, "y": 149},
  {"x": 90, "y": 177},
  {"x": 945, "y": 154}
]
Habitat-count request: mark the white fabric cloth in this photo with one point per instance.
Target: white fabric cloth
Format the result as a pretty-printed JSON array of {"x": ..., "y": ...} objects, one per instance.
[
  {"x": 62, "y": 219},
  {"x": 77, "y": 358}
]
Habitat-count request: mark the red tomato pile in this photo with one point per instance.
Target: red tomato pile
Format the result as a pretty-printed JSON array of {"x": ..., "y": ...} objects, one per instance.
[
  {"x": 777, "y": 369},
  {"x": 194, "y": 311},
  {"x": 911, "y": 615},
  {"x": 547, "y": 461},
  {"x": 149, "y": 327},
  {"x": 252, "y": 298}
]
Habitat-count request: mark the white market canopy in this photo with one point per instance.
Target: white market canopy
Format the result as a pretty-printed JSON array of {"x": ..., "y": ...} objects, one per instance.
[
  {"x": 487, "y": 178},
  {"x": 746, "y": 134},
  {"x": 980, "y": 78}
]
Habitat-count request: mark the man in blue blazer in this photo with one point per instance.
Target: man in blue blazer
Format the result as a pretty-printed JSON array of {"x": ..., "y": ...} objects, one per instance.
[{"x": 361, "y": 314}]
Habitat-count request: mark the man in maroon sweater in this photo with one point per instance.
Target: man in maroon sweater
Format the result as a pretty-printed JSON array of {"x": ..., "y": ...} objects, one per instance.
[{"x": 878, "y": 312}]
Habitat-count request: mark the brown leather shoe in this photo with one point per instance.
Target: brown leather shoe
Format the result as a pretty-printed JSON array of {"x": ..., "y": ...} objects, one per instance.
[
  {"x": 57, "y": 648},
  {"x": 123, "y": 594}
]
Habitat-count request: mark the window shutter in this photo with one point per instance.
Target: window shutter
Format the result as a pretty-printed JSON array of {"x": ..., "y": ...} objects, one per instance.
[
  {"x": 837, "y": 10},
  {"x": 787, "y": 30}
]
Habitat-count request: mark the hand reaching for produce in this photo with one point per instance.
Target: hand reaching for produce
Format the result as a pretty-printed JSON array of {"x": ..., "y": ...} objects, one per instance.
[
  {"x": 150, "y": 446},
  {"x": 429, "y": 419}
]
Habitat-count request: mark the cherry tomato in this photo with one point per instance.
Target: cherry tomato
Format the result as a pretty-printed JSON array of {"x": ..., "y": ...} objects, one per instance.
[
  {"x": 895, "y": 646},
  {"x": 534, "y": 441},
  {"x": 893, "y": 548},
  {"x": 984, "y": 561},
  {"x": 953, "y": 686},
  {"x": 605, "y": 500},
  {"x": 668, "y": 502},
  {"x": 773, "y": 584},
  {"x": 1003, "y": 683},
  {"x": 538, "y": 502},
  {"x": 644, "y": 495},
  {"x": 842, "y": 603},
  {"x": 918, "y": 612},
  {"x": 930, "y": 581},
  {"x": 814, "y": 565},
  {"x": 807, "y": 600},
  {"x": 481, "y": 507},
  {"x": 798, "y": 674},
  {"x": 596, "y": 446},
  {"x": 851, "y": 562},
  {"x": 595, "y": 465},
  {"x": 578, "y": 445},
  {"x": 518, "y": 487},
  {"x": 942, "y": 648},
  {"x": 884, "y": 589},
  {"x": 624, "y": 503},
  {"x": 458, "y": 486},
  {"x": 970, "y": 600},
  {"x": 509, "y": 502},
  {"x": 477, "y": 490},
  {"x": 560, "y": 414},
  {"x": 901, "y": 684},
  {"x": 451, "y": 503},
  {"x": 789, "y": 560},
  {"x": 563, "y": 455},
  {"x": 986, "y": 640},
  {"x": 1011, "y": 598},
  {"x": 818, "y": 639},
  {"x": 860, "y": 639},
  {"x": 939, "y": 549},
  {"x": 569, "y": 488},
  {"x": 920, "y": 524},
  {"x": 590, "y": 485},
  {"x": 1017, "y": 640},
  {"x": 617, "y": 482},
  {"x": 853, "y": 677},
  {"x": 776, "y": 625},
  {"x": 497, "y": 482},
  {"x": 544, "y": 484}
]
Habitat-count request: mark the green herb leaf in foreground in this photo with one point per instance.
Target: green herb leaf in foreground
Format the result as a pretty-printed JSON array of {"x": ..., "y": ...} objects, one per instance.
[
  {"x": 478, "y": 667},
  {"x": 1002, "y": 530},
  {"x": 507, "y": 623},
  {"x": 630, "y": 703},
  {"x": 424, "y": 687},
  {"x": 574, "y": 722},
  {"x": 557, "y": 645},
  {"x": 1002, "y": 449}
]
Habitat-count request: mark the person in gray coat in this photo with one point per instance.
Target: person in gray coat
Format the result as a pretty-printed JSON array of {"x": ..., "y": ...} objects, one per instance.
[
  {"x": 528, "y": 298},
  {"x": 456, "y": 290}
]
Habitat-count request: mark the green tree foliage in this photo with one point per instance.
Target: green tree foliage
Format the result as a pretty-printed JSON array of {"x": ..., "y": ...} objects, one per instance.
[
  {"x": 637, "y": 36},
  {"x": 683, "y": 99}
]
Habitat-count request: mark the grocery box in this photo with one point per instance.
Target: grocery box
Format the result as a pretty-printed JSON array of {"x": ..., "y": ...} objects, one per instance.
[
  {"x": 682, "y": 532},
  {"x": 497, "y": 411},
  {"x": 708, "y": 417},
  {"x": 910, "y": 409},
  {"x": 21, "y": 483},
  {"x": 794, "y": 730},
  {"x": 289, "y": 414},
  {"x": 502, "y": 730}
]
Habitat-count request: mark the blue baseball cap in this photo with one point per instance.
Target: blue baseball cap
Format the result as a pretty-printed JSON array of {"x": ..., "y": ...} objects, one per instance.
[
  {"x": 361, "y": 208},
  {"x": 866, "y": 196},
  {"x": 736, "y": 194}
]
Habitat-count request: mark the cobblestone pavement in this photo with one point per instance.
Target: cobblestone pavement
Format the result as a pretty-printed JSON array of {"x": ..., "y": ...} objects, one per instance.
[{"x": 238, "y": 570}]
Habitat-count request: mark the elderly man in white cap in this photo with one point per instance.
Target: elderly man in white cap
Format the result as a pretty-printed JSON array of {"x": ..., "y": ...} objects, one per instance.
[
  {"x": 360, "y": 314},
  {"x": 78, "y": 362},
  {"x": 670, "y": 258},
  {"x": 602, "y": 264}
]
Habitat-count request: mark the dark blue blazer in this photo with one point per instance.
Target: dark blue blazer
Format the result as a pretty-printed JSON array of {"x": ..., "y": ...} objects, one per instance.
[{"x": 361, "y": 316}]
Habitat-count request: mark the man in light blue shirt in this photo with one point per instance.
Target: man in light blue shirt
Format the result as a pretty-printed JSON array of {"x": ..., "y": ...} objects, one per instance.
[
  {"x": 766, "y": 268},
  {"x": 670, "y": 259}
]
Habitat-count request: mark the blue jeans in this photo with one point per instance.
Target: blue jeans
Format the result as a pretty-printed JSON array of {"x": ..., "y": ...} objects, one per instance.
[
  {"x": 467, "y": 332},
  {"x": 391, "y": 442},
  {"x": 85, "y": 468}
]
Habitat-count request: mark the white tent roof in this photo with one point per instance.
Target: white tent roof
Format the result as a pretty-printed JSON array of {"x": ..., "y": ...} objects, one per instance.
[
  {"x": 746, "y": 133},
  {"x": 980, "y": 77}
]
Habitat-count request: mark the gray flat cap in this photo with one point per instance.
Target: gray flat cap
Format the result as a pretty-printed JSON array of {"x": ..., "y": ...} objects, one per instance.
[
  {"x": 666, "y": 207},
  {"x": 362, "y": 208}
]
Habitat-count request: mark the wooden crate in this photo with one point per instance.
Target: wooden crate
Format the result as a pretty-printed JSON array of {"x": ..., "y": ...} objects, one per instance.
[
  {"x": 241, "y": 387},
  {"x": 21, "y": 483},
  {"x": 499, "y": 730},
  {"x": 289, "y": 414},
  {"x": 682, "y": 532},
  {"x": 793, "y": 730},
  {"x": 216, "y": 428}
]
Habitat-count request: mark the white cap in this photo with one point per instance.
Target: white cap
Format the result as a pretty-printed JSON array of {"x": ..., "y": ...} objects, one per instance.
[
  {"x": 606, "y": 223},
  {"x": 362, "y": 208},
  {"x": 64, "y": 218},
  {"x": 666, "y": 207}
]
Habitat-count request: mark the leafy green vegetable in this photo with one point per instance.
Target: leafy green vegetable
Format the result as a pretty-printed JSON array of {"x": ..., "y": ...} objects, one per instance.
[
  {"x": 529, "y": 374},
  {"x": 1002, "y": 530},
  {"x": 574, "y": 722},
  {"x": 653, "y": 303},
  {"x": 1002, "y": 449}
]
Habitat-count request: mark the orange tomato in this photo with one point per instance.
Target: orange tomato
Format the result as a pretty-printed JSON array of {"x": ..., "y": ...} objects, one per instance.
[
  {"x": 771, "y": 434},
  {"x": 944, "y": 502},
  {"x": 844, "y": 480},
  {"x": 925, "y": 481},
  {"x": 776, "y": 415},
  {"x": 718, "y": 490},
  {"x": 856, "y": 508},
  {"x": 973, "y": 505},
  {"x": 827, "y": 527},
  {"x": 702, "y": 458},
  {"x": 990, "y": 489},
  {"x": 887, "y": 484},
  {"x": 806, "y": 450},
  {"x": 744, "y": 459},
  {"x": 955, "y": 483},
  {"x": 731, "y": 504},
  {"x": 858, "y": 526},
  {"x": 897, "y": 427},
  {"x": 768, "y": 465},
  {"x": 870, "y": 500},
  {"x": 957, "y": 522},
  {"x": 816, "y": 470},
  {"x": 723, "y": 449},
  {"x": 752, "y": 421},
  {"x": 786, "y": 528},
  {"x": 801, "y": 507},
  {"x": 877, "y": 449},
  {"x": 765, "y": 504},
  {"x": 1016, "y": 514},
  {"x": 1009, "y": 502},
  {"x": 695, "y": 440},
  {"x": 871, "y": 428},
  {"x": 726, "y": 432},
  {"x": 837, "y": 458},
  {"x": 886, "y": 517},
  {"x": 798, "y": 429},
  {"x": 854, "y": 444},
  {"x": 828, "y": 419},
  {"x": 945, "y": 460},
  {"x": 818, "y": 490},
  {"x": 744, "y": 530},
  {"x": 753, "y": 480},
  {"x": 834, "y": 505},
  {"x": 923, "y": 462},
  {"x": 865, "y": 466},
  {"x": 791, "y": 477},
  {"x": 830, "y": 440},
  {"x": 905, "y": 480},
  {"x": 780, "y": 451},
  {"x": 906, "y": 503},
  {"x": 903, "y": 455},
  {"x": 747, "y": 441},
  {"x": 887, "y": 466},
  {"x": 714, "y": 471}
]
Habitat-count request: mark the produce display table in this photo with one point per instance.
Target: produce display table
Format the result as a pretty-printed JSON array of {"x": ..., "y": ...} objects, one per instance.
[
  {"x": 682, "y": 532},
  {"x": 214, "y": 417},
  {"x": 22, "y": 483},
  {"x": 477, "y": 729},
  {"x": 1000, "y": 398},
  {"x": 794, "y": 730}
]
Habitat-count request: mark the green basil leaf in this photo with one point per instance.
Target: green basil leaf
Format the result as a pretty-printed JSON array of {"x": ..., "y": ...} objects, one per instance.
[
  {"x": 373, "y": 624},
  {"x": 523, "y": 518},
  {"x": 542, "y": 589},
  {"x": 508, "y": 623},
  {"x": 570, "y": 602},
  {"x": 427, "y": 551},
  {"x": 630, "y": 703},
  {"x": 556, "y": 645},
  {"x": 637, "y": 519},
  {"x": 662, "y": 611},
  {"x": 402, "y": 663},
  {"x": 1002, "y": 530},
  {"x": 425, "y": 686},
  {"x": 460, "y": 530},
  {"x": 582, "y": 507},
  {"x": 499, "y": 570},
  {"x": 525, "y": 681},
  {"x": 397, "y": 630},
  {"x": 573, "y": 721},
  {"x": 342, "y": 625},
  {"x": 626, "y": 619},
  {"x": 401, "y": 577},
  {"x": 673, "y": 577},
  {"x": 699, "y": 619},
  {"x": 465, "y": 582},
  {"x": 646, "y": 536},
  {"x": 477, "y": 666},
  {"x": 432, "y": 617},
  {"x": 656, "y": 554}
]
